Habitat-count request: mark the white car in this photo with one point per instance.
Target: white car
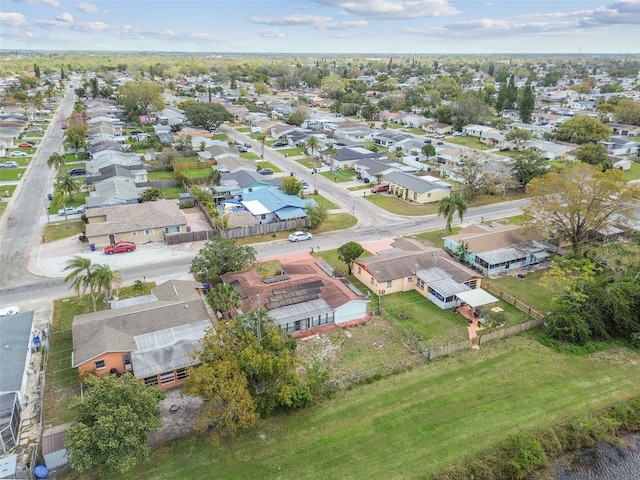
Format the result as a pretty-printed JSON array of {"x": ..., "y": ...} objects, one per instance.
[
  {"x": 297, "y": 236},
  {"x": 4, "y": 312},
  {"x": 439, "y": 136},
  {"x": 9, "y": 165},
  {"x": 70, "y": 211},
  {"x": 17, "y": 153},
  {"x": 457, "y": 134}
]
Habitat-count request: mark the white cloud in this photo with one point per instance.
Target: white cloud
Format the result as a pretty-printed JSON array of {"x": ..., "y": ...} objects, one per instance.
[
  {"x": 89, "y": 8},
  {"x": 320, "y": 23},
  {"x": 65, "y": 17},
  {"x": 51, "y": 3},
  {"x": 392, "y": 9},
  {"x": 270, "y": 33},
  {"x": 15, "y": 20}
]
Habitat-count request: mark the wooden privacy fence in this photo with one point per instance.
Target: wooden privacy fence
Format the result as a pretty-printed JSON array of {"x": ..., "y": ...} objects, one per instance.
[
  {"x": 513, "y": 301},
  {"x": 442, "y": 350},
  {"x": 177, "y": 238},
  {"x": 193, "y": 165},
  {"x": 510, "y": 331}
]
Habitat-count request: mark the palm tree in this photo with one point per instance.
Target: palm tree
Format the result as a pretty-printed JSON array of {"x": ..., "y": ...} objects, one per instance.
[
  {"x": 67, "y": 185},
  {"x": 105, "y": 280},
  {"x": 225, "y": 299},
  {"x": 80, "y": 277},
  {"x": 140, "y": 286},
  {"x": 330, "y": 151},
  {"x": 449, "y": 206},
  {"x": 56, "y": 160},
  {"x": 312, "y": 143}
]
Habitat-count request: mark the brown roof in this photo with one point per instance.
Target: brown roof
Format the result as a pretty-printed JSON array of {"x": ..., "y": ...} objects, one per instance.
[
  {"x": 135, "y": 217},
  {"x": 392, "y": 266},
  {"x": 489, "y": 238},
  {"x": 114, "y": 330},
  {"x": 301, "y": 281}
]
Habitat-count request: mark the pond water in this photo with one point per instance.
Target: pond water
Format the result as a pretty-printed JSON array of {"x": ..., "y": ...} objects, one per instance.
[{"x": 603, "y": 462}]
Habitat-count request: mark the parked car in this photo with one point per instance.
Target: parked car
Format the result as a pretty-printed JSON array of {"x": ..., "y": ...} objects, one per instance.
[
  {"x": 26, "y": 144},
  {"x": 279, "y": 145},
  {"x": 241, "y": 148},
  {"x": 17, "y": 153},
  {"x": 266, "y": 171},
  {"x": 78, "y": 171},
  {"x": 380, "y": 188},
  {"x": 37, "y": 129},
  {"x": 457, "y": 134},
  {"x": 120, "y": 247},
  {"x": 9, "y": 164},
  {"x": 298, "y": 236},
  {"x": 6, "y": 311},
  {"x": 438, "y": 136},
  {"x": 70, "y": 211},
  {"x": 427, "y": 140},
  {"x": 247, "y": 145}
]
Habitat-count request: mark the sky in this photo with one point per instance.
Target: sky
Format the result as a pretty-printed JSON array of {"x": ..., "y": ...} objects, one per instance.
[{"x": 324, "y": 26}]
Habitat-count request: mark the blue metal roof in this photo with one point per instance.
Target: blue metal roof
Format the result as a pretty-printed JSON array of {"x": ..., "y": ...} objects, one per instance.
[{"x": 276, "y": 200}]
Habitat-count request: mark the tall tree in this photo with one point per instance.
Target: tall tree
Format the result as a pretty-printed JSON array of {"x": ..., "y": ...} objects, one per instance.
[
  {"x": 582, "y": 129},
  {"x": 575, "y": 204},
  {"x": 349, "y": 252},
  {"x": 627, "y": 111},
  {"x": 474, "y": 177},
  {"x": 313, "y": 144},
  {"x": 56, "y": 160},
  {"x": 428, "y": 150},
  {"x": 141, "y": 97},
  {"x": 529, "y": 164},
  {"x": 594, "y": 154},
  {"x": 247, "y": 369},
  {"x": 114, "y": 419},
  {"x": 67, "y": 186},
  {"x": 291, "y": 186},
  {"x": 80, "y": 277},
  {"x": 526, "y": 103},
  {"x": 518, "y": 135},
  {"x": 449, "y": 206},
  {"x": 207, "y": 115},
  {"x": 105, "y": 280},
  {"x": 219, "y": 256},
  {"x": 316, "y": 215}
]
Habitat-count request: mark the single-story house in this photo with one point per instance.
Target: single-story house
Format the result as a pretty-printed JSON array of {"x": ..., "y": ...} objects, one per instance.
[
  {"x": 348, "y": 157},
  {"x": 388, "y": 138},
  {"x": 550, "y": 150},
  {"x": 239, "y": 182},
  {"x": 112, "y": 192},
  {"x": 142, "y": 222},
  {"x": 623, "y": 130},
  {"x": 416, "y": 189},
  {"x": 495, "y": 248},
  {"x": 153, "y": 337},
  {"x": 620, "y": 146},
  {"x": 437, "y": 128},
  {"x": 429, "y": 271},
  {"x": 306, "y": 298},
  {"x": 272, "y": 205},
  {"x": 476, "y": 130},
  {"x": 105, "y": 158}
]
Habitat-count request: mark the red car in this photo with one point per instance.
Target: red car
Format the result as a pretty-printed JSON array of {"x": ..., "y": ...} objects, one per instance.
[
  {"x": 380, "y": 188},
  {"x": 26, "y": 144},
  {"x": 120, "y": 247}
]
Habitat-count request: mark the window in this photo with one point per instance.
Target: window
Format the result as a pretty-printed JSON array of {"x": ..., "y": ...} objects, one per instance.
[
  {"x": 149, "y": 232},
  {"x": 182, "y": 373},
  {"x": 167, "y": 378},
  {"x": 420, "y": 283},
  {"x": 359, "y": 269},
  {"x": 409, "y": 279},
  {"x": 174, "y": 229},
  {"x": 100, "y": 364},
  {"x": 151, "y": 380},
  {"x": 389, "y": 283},
  {"x": 263, "y": 217},
  {"x": 133, "y": 234},
  {"x": 372, "y": 281}
]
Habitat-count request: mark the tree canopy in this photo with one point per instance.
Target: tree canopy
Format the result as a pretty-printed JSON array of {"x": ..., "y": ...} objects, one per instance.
[
  {"x": 594, "y": 154},
  {"x": 582, "y": 129},
  {"x": 219, "y": 256},
  {"x": 141, "y": 97},
  {"x": 316, "y": 215},
  {"x": 207, "y": 115},
  {"x": 115, "y": 417},
  {"x": 449, "y": 206},
  {"x": 576, "y": 203},
  {"x": 349, "y": 252},
  {"x": 529, "y": 164},
  {"x": 248, "y": 369}
]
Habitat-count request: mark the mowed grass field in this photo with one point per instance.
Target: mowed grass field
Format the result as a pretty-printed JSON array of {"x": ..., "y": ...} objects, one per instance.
[{"x": 415, "y": 424}]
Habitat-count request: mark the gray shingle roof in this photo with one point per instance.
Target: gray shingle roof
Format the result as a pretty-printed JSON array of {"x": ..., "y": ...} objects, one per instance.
[{"x": 412, "y": 182}]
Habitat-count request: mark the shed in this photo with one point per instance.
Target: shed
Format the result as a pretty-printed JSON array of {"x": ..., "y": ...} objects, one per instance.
[{"x": 53, "y": 451}]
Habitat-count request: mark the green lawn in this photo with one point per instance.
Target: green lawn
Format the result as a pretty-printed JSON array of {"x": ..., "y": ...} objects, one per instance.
[
  {"x": 56, "y": 204},
  {"x": 171, "y": 192},
  {"x": 528, "y": 289},
  {"x": 157, "y": 175},
  {"x": 633, "y": 173},
  {"x": 393, "y": 204},
  {"x": 60, "y": 230},
  {"x": 6, "y": 191},
  {"x": 415, "y": 424},
  {"x": 339, "y": 176},
  {"x": 11, "y": 174},
  {"x": 468, "y": 141}
]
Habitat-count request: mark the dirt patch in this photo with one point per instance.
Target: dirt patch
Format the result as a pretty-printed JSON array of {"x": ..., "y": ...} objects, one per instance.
[
  {"x": 177, "y": 412},
  {"x": 377, "y": 344}
]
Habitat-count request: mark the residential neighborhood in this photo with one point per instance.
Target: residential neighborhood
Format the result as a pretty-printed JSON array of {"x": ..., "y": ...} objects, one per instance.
[{"x": 439, "y": 199}]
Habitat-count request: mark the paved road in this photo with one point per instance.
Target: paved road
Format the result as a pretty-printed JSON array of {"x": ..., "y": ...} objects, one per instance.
[{"x": 20, "y": 224}]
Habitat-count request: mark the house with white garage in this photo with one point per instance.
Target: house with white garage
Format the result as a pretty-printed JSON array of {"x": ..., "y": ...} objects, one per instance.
[{"x": 417, "y": 189}]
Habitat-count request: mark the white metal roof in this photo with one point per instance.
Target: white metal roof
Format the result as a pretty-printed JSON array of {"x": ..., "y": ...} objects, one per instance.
[{"x": 477, "y": 297}]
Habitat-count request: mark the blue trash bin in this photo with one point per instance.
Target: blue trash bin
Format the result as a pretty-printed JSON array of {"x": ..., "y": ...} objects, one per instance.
[
  {"x": 49, "y": 196},
  {"x": 92, "y": 246},
  {"x": 41, "y": 471}
]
